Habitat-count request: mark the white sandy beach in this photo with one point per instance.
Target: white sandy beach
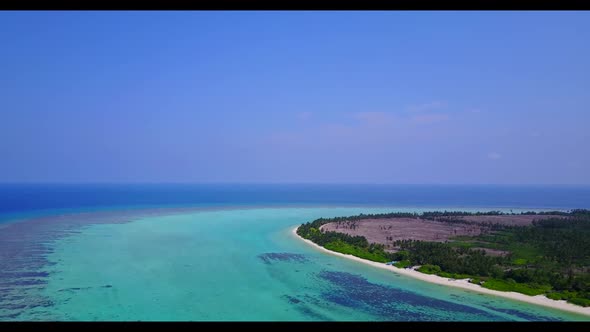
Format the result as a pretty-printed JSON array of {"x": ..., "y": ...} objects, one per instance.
[{"x": 539, "y": 299}]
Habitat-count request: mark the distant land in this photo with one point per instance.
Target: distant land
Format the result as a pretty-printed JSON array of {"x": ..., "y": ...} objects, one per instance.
[{"x": 531, "y": 253}]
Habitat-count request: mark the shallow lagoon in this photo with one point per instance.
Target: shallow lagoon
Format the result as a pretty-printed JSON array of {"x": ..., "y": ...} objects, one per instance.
[{"x": 240, "y": 265}]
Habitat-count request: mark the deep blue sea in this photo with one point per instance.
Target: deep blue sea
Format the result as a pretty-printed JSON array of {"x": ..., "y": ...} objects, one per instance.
[{"x": 19, "y": 198}]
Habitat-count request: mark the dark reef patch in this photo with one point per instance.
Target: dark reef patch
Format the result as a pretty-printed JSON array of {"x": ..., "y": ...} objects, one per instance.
[
  {"x": 311, "y": 299},
  {"x": 388, "y": 303},
  {"x": 9, "y": 316},
  {"x": 269, "y": 258},
  {"x": 5, "y": 275},
  {"x": 25, "y": 246},
  {"x": 12, "y": 306},
  {"x": 291, "y": 299},
  {"x": 71, "y": 289},
  {"x": 307, "y": 311},
  {"x": 22, "y": 282},
  {"x": 523, "y": 315},
  {"x": 42, "y": 303}
]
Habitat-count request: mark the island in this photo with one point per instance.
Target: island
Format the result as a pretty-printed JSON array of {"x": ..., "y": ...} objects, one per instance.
[{"x": 537, "y": 257}]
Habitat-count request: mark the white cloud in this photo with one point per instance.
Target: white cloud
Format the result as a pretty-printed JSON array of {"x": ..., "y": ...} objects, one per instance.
[{"x": 494, "y": 155}]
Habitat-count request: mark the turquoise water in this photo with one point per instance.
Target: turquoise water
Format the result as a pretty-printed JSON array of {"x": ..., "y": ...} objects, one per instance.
[{"x": 240, "y": 265}]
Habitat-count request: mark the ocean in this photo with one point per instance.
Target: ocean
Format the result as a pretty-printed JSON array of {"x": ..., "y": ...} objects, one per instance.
[{"x": 221, "y": 252}]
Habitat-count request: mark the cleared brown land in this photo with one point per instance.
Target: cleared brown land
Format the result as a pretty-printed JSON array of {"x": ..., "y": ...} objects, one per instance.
[{"x": 387, "y": 230}]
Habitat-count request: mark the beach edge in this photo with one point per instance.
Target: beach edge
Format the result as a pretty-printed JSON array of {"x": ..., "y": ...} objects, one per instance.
[{"x": 463, "y": 283}]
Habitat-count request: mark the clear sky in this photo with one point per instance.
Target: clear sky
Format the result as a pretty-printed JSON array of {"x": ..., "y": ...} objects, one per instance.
[{"x": 330, "y": 97}]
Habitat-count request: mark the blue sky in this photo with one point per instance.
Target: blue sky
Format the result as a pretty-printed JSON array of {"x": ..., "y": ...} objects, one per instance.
[{"x": 330, "y": 97}]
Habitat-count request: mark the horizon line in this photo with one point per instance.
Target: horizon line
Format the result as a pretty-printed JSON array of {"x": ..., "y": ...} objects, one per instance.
[{"x": 278, "y": 183}]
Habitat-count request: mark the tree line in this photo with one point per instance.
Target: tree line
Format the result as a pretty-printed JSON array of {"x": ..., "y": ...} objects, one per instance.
[{"x": 550, "y": 256}]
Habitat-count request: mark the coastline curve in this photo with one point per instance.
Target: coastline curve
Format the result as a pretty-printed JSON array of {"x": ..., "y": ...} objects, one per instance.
[{"x": 463, "y": 283}]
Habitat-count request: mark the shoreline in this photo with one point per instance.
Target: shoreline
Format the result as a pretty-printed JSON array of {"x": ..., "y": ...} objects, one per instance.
[{"x": 463, "y": 283}]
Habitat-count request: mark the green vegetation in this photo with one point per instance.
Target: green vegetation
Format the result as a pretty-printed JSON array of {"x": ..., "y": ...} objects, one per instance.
[
  {"x": 551, "y": 256},
  {"x": 519, "y": 261},
  {"x": 476, "y": 281},
  {"x": 429, "y": 269},
  {"x": 403, "y": 264},
  {"x": 362, "y": 252},
  {"x": 512, "y": 286},
  {"x": 454, "y": 275},
  {"x": 451, "y": 260}
]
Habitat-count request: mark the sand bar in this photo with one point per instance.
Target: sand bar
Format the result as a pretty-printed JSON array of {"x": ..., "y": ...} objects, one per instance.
[{"x": 538, "y": 299}]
